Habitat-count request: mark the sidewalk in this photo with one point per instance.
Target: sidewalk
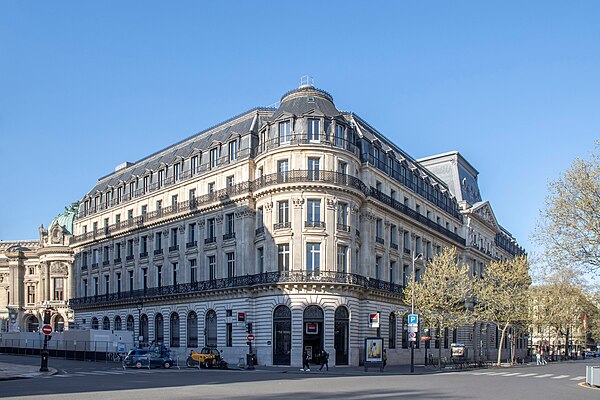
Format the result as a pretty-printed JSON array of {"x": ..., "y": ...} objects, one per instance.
[
  {"x": 353, "y": 370},
  {"x": 10, "y": 371}
]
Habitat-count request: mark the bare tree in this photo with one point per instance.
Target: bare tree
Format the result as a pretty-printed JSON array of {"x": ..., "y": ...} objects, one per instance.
[
  {"x": 502, "y": 295},
  {"x": 442, "y": 292},
  {"x": 569, "y": 226}
]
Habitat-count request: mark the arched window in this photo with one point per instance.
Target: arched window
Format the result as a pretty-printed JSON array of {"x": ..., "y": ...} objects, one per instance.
[
  {"x": 342, "y": 335},
  {"x": 192, "y": 329},
  {"x": 145, "y": 330},
  {"x": 159, "y": 329},
  {"x": 118, "y": 324},
  {"x": 130, "y": 323},
  {"x": 210, "y": 326},
  {"x": 174, "y": 330},
  {"x": 59, "y": 324},
  {"x": 282, "y": 335},
  {"x": 32, "y": 324},
  {"x": 94, "y": 323},
  {"x": 106, "y": 324},
  {"x": 392, "y": 336}
]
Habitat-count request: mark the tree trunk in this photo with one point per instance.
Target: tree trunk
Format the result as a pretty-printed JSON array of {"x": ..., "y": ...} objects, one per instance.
[{"x": 502, "y": 338}]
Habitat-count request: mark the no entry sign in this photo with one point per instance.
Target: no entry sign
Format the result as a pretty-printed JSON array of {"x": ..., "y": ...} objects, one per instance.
[{"x": 47, "y": 329}]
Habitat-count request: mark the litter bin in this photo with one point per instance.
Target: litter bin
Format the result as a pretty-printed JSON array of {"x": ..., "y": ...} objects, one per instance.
[{"x": 592, "y": 375}]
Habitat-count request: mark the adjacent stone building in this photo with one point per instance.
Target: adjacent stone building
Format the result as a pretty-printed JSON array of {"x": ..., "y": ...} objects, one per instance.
[{"x": 301, "y": 220}]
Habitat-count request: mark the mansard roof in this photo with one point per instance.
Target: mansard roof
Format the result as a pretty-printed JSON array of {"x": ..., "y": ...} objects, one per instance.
[{"x": 306, "y": 100}]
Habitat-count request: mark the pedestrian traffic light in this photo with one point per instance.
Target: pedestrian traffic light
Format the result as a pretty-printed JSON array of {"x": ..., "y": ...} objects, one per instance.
[
  {"x": 47, "y": 315},
  {"x": 249, "y": 327}
]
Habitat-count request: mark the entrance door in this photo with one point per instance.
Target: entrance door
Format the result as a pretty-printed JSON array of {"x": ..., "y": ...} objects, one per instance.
[
  {"x": 342, "y": 323},
  {"x": 282, "y": 335},
  {"x": 313, "y": 332}
]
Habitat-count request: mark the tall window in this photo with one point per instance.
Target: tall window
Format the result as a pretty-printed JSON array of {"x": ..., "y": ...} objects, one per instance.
[
  {"x": 31, "y": 294},
  {"x": 379, "y": 230},
  {"x": 392, "y": 330},
  {"x": 159, "y": 276},
  {"x": 174, "y": 331},
  {"x": 145, "y": 278},
  {"x": 229, "y": 182},
  {"x": 342, "y": 216},
  {"x": 158, "y": 241},
  {"x": 106, "y": 284},
  {"x": 161, "y": 178},
  {"x": 313, "y": 168},
  {"x": 283, "y": 213},
  {"x": 339, "y": 136},
  {"x": 130, "y": 280},
  {"x": 212, "y": 266},
  {"x": 118, "y": 282},
  {"x": 260, "y": 259},
  {"x": 214, "y": 157},
  {"x": 377, "y": 267},
  {"x": 192, "y": 233},
  {"x": 194, "y": 165},
  {"x": 230, "y": 265},
  {"x": 192, "y": 329},
  {"x": 193, "y": 270},
  {"x": 58, "y": 289},
  {"x": 175, "y": 269},
  {"x": 229, "y": 224},
  {"x": 210, "y": 228},
  {"x": 342, "y": 258},
  {"x": 342, "y": 168},
  {"x": 283, "y": 257},
  {"x": 313, "y": 129},
  {"x": 282, "y": 170},
  {"x": 313, "y": 212},
  {"x": 233, "y": 150},
  {"x": 174, "y": 238},
  {"x": 284, "y": 132},
  {"x": 313, "y": 257}
]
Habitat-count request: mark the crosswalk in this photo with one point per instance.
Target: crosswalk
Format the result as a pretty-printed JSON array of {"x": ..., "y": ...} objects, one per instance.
[
  {"x": 66, "y": 374},
  {"x": 535, "y": 375}
]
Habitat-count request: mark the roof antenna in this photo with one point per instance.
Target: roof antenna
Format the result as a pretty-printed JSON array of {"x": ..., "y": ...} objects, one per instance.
[{"x": 306, "y": 81}]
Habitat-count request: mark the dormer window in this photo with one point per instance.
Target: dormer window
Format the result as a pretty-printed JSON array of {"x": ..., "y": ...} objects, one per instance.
[
  {"x": 339, "y": 136},
  {"x": 161, "y": 178},
  {"x": 194, "y": 165},
  {"x": 146, "y": 183},
  {"x": 313, "y": 129},
  {"x": 176, "y": 170},
  {"x": 233, "y": 149},
  {"x": 284, "y": 132},
  {"x": 214, "y": 157}
]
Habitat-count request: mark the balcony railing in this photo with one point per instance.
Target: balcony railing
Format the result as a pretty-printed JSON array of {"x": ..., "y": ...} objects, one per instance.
[
  {"x": 229, "y": 236},
  {"x": 173, "y": 248},
  {"x": 343, "y": 227},
  {"x": 210, "y": 240},
  {"x": 84, "y": 267},
  {"x": 94, "y": 265},
  {"x": 314, "y": 224},
  {"x": 158, "y": 251},
  {"x": 379, "y": 240},
  {"x": 242, "y": 281},
  {"x": 117, "y": 260},
  {"x": 105, "y": 262},
  {"x": 189, "y": 245},
  {"x": 129, "y": 257},
  {"x": 259, "y": 231},
  {"x": 144, "y": 254},
  {"x": 406, "y": 251},
  {"x": 282, "y": 225},
  {"x": 394, "y": 246},
  {"x": 292, "y": 177}
]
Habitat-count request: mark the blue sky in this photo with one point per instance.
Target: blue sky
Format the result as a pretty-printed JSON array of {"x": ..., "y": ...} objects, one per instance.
[{"x": 84, "y": 86}]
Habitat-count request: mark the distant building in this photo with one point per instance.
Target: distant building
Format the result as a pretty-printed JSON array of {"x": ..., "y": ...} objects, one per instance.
[
  {"x": 301, "y": 220},
  {"x": 36, "y": 275}
]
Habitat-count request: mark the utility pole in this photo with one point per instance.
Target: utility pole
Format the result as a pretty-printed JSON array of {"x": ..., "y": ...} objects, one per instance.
[{"x": 412, "y": 311}]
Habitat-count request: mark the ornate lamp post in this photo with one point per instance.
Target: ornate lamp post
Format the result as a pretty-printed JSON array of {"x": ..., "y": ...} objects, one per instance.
[
  {"x": 412, "y": 310},
  {"x": 140, "y": 305}
]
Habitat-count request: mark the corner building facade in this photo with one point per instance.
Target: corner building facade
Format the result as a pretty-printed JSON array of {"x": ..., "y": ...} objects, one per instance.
[{"x": 302, "y": 220}]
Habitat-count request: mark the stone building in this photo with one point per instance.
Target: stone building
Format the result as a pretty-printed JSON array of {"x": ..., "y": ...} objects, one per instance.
[
  {"x": 302, "y": 220},
  {"x": 36, "y": 275}
]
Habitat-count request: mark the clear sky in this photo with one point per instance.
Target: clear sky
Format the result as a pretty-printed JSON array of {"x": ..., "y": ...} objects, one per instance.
[{"x": 84, "y": 86}]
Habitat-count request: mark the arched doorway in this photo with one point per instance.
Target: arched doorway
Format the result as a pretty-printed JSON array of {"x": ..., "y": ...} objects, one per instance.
[
  {"x": 144, "y": 325},
  {"x": 210, "y": 327},
  {"x": 118, "y": 324},
  {"x": 282, "y": 335},
  {"x": 159, "y": 329},
  {"x": 313, "y": 332},
  {"x": 32, "y": 324},
  {"x": 130, "y": 323},
  {"x": 342, "y": 328},
  {"x": 192, "y": 329},
  {"x": 174, "y": 330},
  {"x": 59, "y": 324}
]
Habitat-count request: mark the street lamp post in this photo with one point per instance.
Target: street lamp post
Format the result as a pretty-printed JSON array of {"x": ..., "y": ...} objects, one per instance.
[
  {"x": 412, "y": 311},
  {"x": 140, "y": 305}
]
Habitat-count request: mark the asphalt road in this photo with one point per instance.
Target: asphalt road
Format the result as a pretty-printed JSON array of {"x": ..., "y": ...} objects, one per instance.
[{"x": 88, "y": 380}]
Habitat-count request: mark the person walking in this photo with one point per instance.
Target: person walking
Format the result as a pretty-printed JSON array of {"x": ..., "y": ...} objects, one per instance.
[
  {"x": 324, "y": 360},
  {"x": 384, "y": 359},
  {"x": 305, "y": 366},
  {"x": 538, "y": 359}
]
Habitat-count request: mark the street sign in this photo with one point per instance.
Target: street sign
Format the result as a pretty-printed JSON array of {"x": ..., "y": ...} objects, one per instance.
[
  {"x": 374, "y": 320},
  {"x": 250, "y": 337},
  {"x": 413, "y": 328},
  {"x": 47, "y": 329},
  {"x": 413, "y": 319},
  {"x": 412, "y": 336}
]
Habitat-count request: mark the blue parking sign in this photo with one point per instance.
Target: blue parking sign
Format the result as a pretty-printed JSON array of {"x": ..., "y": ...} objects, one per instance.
[{"x": 413, "y": 319}]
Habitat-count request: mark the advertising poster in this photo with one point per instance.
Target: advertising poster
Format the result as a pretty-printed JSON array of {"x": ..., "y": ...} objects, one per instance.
[{"x": 374, "y": 350}]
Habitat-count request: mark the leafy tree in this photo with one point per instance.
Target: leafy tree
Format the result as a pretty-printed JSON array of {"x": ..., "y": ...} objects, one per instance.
[
  {"x": 502, "y": 295},
  {"x": 442, "y": 292},
  {"x": 569, "y": 226}
]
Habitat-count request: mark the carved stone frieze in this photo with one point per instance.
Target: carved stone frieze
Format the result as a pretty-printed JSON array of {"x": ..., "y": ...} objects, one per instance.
[
  {"x": 59, "y": 268},
  {"x": 268, "y": 206},
  {"x": 298, "y": 202},
  {"x": 331, "y": 203},
  {"x": 219, "y": 219}
]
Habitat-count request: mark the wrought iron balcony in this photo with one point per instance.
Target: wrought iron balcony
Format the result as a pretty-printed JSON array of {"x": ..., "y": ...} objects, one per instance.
[
  {"x": 105, "y": 262},
  {"x": 406, "y": 251},
  {"x": 189, "y": 245},
  {"x": 343, "y": 227},
  {"x": 314, "y": 224},
  {"x": 379, "y": 240},
  {"x": 259, "y": 231},
  {"x": 117, "y": 260},
  {"x": 394, "y": 246},
  {"x": 273, "y": 278},
  {"x": 229, "y": 236},
  {"x": 129, "y": 257},
  {"x": 282, "y": 225},
  {"x": 144, "y": 254},
  {"x": 158, "y": 252},
  {"x": 94, "y": 265},
  {"x": 173, "y": 248},
  {"x": 210, "y": 240}
]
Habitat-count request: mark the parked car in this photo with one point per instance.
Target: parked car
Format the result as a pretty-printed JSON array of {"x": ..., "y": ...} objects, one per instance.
[
  {"x": 208, "y": 357},
  {"x": 147, "y": 358}
]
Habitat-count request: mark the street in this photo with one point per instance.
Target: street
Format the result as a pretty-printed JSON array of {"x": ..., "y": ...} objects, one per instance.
[{"x": 106, "y": 381}]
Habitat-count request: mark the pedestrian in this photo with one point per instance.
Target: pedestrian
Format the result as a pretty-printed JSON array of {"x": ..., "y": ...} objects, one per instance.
[
  {"x": 538, "y": 359},
  {"x": 384, "y": 358},
  {"x": 324, "y": 360},
  {"x": 305, "y": 366}
]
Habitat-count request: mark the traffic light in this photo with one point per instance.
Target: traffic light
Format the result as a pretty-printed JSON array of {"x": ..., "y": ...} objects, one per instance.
[
  {"x": 47, "y": 315},
  {"x": 249, "y": 327}
]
